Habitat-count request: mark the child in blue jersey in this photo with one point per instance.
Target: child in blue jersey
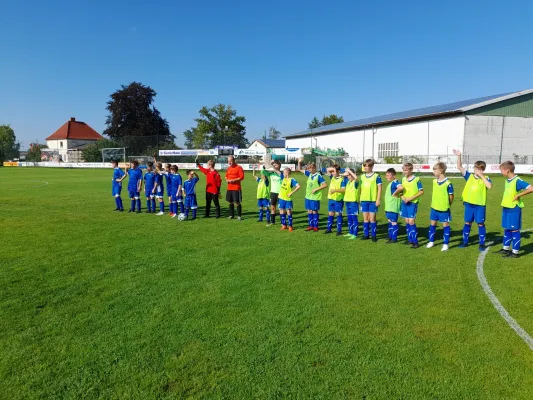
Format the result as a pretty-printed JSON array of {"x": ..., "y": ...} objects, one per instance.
[
  {"x": 351, "y": 199},
  {"x": 168, "y": 182},
  {"x": 441, "y": 202},
  {"x": 189, "y": 190},
  {"x": 512, "y": 205},
  {"x": 263, "y": 195},
  {"x": 135, "y": 185},
  {"x": 159, "y": 188},
  {"x": 412, "y": 190},
  {"x": 175, "y": 191},
  {"x": 149, "y": 187},
  {"x": 392, "y": 204},
  {"x": 337, "y": 187},
  {"x": 288, "y": 187},
  {"x": 116, "y": 188},
  {"x": 474, "y": 199},
  {"x": 313, "y": 193},
  {"x": 370, "y": 198}
]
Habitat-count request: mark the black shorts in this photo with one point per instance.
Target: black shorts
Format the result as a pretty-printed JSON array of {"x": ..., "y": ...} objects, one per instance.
[
  {"x": 274, "y": 199},
  {"x": 234, "y": 196}
]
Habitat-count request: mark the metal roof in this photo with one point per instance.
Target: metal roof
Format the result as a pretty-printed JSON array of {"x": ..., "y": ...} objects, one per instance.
[
  {"x": 272, "y": 142},
  {"x": 450, "y": 108}
]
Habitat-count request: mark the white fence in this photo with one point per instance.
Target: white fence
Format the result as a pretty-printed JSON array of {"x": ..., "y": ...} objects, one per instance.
[{"x": 246, "y": 167}]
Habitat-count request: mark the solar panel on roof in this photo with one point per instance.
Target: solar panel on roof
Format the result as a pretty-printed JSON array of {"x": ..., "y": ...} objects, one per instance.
[{"x": 419, "y": 112}]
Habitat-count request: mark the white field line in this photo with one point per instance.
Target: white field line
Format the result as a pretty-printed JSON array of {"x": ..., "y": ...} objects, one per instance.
[
  {"x": 496, "y": 303},
  {"x": 44, "y": 183}
]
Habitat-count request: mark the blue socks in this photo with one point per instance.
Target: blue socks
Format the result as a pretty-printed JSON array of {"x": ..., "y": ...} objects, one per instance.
[
  {"x": 516, "y": 241},
  {"x": 315, "y": 221},
  {"x": 432, "y": 231},
  {"x": 366, "y": 229},
  {"x": 289, "y": 217},
  {"x": 414, "y": 234},
  {"x": 374, "y": 228},
  {"x": 310, "y": 220},
  {"x": 447, "y": 232},
  {"x": 339, "y": 223},
  {"x": 148, "y": 205},
  {"x": 162, "y": 207},
  {"x": 466, "y": 233},
  {"x": 507, "y": 238},
  {"x": 268, "y": 214},
  {"x": 132, "y": 208},
  {"x": 182, "y": 207},
  {"x": 330, "y": 222},
  {"x": 482, "y": 233},
  {"x": 138, "y": 204},
  {"x": 409, "y": 232},
  {"x": 194, "y": 213},
  {"x": 260, "y": 214},
  {"x": 283, "y": 219},
  {"x": 395, "y": 230}
]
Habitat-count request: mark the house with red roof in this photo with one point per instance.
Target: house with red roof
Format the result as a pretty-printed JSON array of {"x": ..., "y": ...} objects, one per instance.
[{"x": 72, "y": 137}]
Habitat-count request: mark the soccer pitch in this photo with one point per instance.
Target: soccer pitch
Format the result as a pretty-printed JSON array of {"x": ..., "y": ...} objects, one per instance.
[{"x": 100, "y": 304}]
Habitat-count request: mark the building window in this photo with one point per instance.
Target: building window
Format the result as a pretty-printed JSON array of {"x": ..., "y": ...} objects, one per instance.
[
  {"x": 61, "y": 144},
  {"x": 388, "y": 150}
]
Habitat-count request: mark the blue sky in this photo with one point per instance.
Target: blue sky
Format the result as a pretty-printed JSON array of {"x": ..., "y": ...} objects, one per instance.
[{"x": 278, "y": 62}]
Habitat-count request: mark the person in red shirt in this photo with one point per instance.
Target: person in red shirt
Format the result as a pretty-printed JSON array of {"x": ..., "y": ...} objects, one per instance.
[
  {"x": 234, "y": 176},
  {"x": 212, "y": 187}
]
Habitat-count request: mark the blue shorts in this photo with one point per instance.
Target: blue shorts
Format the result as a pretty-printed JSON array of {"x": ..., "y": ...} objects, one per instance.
[
  {"x": 191, "y": 202},
  {"x": 134, "y": 194},
  {"x": 441, "y": 216},
  {"x": 369, "y": 207},
  {"x": 175, "y": 198},
  {"x": 285, "y": 204},
  {"x": 408, "y": 210},
  {"x": 313, "y": 205},
  {"x": 473, "y": 212},
  {"x": 512, "y": 218},
  {"x": 352, "y": 208},
  {"x": 263, "y": 203},
  {"x": 159, "y": 194},
  {"x": 392, "y": 216},
  {"x": 116, "y": 189},
  {"x": 335, "y": 206},
  {"x": 148, "y": 192}
]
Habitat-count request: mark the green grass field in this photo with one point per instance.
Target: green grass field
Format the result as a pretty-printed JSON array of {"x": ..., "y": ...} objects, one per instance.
[{"x": 99, "y": 304}]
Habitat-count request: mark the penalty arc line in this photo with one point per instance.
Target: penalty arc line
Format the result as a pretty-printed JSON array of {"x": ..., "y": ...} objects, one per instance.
[{"x": 515, "y": 326}]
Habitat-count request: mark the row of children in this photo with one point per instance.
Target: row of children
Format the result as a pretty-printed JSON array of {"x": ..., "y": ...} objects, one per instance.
[
  {"x": 276, "y": 188},
  {"x": 181, "y": 194}
]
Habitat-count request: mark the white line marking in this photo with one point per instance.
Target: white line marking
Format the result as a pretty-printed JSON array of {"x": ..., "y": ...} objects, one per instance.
[
  {"x": 494, "y": 300},
  {"x": 44, "y": 184}
]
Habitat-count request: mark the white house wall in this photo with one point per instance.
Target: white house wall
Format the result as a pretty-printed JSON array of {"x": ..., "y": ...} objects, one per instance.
[{"x": 437, "y": 137}]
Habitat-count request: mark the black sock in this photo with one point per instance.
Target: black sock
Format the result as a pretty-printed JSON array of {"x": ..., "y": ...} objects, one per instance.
[
  {"x": 273, "y": 218},
  {"x": 232, "y": 210},
  {"x": 239, "y": 210}
]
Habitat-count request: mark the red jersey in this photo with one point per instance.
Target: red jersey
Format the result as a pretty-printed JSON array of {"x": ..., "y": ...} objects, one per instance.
[
  {"x": 235, "y": 172},
  {"x": 213, "y": 180}
]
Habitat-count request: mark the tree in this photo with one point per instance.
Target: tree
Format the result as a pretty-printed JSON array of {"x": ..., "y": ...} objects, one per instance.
[
  {"x": 273, "y": 133},
  {"x": 34, "y": 153},
  {"x": 9, "y": 148},
  {"x": 93, "y": 152},
  {"x": 315, "y": 123},
  {"x": 218, "y": 125},
  {"x": 331, "y": 119},
  {"x": 326, "y": 120},
  {"x": 133, "y": 121}
]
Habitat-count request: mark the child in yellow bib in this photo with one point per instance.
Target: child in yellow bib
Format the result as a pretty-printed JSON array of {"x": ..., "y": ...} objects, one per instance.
[
  {"x": 392, "y": 204},
  {"x": 288, "y": 187},
  {"x": 441, "y": 201},
  {"x": 263, "y": 194},
  {"x": 337, "y": 187},
  {"x": 313, "y": 193},
  {"x": 512, "y": 205},
  {"x": 351, "y": 199},
  {"x": 370, "y": 199},
  {"x": 474, "y": 199},
  {"x": 412, "y": 190}
]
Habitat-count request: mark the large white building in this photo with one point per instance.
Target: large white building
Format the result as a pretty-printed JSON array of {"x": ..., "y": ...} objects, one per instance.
[
  {"x": 70, "y": 139},
  {"x": 492, "y": 128}
]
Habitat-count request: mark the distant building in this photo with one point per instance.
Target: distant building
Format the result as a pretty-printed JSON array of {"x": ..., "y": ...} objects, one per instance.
[
  {"x": 492, "y": 128},
  {"x": 264, "y": 144},
  {"x": 71, "y": 138}
]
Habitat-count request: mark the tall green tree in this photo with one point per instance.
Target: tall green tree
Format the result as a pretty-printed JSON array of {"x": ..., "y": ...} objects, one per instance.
[
  {"x": 134, "y": 121},
  {"x": 34, "y": 152},
  {"x": 273, "y": 133},
  {"x": 9, "y": 147},
  {"x": 217, "y": 125},
  {"x": 326, "y": 120}
]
